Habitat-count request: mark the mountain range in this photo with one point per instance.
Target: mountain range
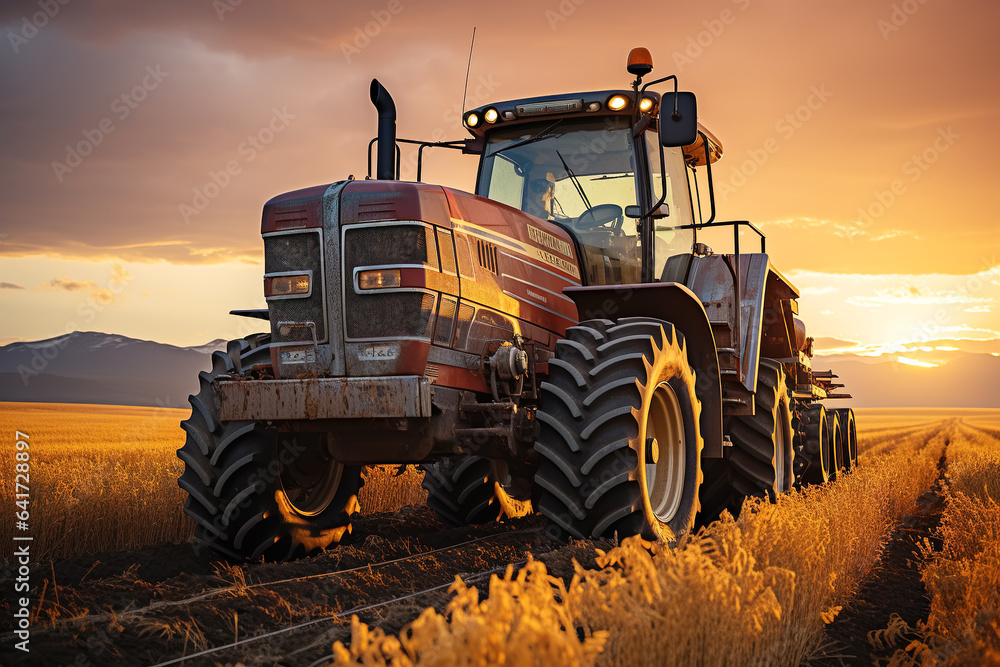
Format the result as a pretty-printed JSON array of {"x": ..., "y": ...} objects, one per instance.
[{"x": 92, "y": 367}]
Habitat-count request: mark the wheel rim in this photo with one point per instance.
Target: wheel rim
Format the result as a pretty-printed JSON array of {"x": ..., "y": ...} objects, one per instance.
[
  {"x": 311, "y": 481},
  {"x": 665, "y": 477},
  {"x": 780, "y": 475}
]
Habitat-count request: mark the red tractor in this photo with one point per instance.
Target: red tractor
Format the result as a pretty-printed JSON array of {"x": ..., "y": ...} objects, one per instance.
[{"x": 559, "y": 340}]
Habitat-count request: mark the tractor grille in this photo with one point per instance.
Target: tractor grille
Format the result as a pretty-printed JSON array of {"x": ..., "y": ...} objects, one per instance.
[
  {"x": 392, "y": 314},
  {"x": 385, "y": 245},
  {"x": 299, "y": 251}
]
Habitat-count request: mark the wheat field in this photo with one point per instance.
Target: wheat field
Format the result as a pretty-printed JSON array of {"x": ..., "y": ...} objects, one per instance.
[
  {"x": 758, "y": 590},
  {"x": 963, "y": 577},
  {"x": 104, "y": 478},
  {"x": 754, "y": 591}
]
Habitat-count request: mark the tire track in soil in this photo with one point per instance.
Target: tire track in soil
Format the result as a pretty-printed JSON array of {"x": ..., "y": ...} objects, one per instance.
[
  {"x": 893, "y": 586},
  {"x": 128, "y": 581}
]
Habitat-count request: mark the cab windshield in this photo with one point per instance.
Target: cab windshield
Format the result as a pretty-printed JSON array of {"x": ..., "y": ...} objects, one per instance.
[{"x": 579, "y": 173}]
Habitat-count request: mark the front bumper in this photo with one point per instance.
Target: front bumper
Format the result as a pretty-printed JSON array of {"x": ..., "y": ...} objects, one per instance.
[{"x": 324, "y": 398}]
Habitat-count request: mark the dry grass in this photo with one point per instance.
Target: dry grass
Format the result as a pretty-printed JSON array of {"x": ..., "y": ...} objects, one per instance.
[
  {"x": 963, "y": 578},
  {"x": 104, "y": 478},
  {"x": 387, "y": 490},
  {"x": 754, "y": 591},
  {"x": 526, "y": 620}
]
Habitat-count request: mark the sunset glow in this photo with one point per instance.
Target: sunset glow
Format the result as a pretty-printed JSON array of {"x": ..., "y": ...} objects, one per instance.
[{"x": 865, "y": 156}]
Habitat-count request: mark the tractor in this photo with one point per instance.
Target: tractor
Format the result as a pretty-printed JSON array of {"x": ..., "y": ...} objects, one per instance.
[{"x": 559, "y": 341}]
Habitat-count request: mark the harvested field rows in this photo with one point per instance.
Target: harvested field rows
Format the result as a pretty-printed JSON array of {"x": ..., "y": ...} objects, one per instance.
[
  {"x": 759, "y": 590},
  {"x": 962, "y": 570}
]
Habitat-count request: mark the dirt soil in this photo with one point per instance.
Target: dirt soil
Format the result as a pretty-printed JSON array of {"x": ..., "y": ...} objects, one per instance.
[
  {"x": 893, "y": 587},
  {"x": 162, "y": 602}
]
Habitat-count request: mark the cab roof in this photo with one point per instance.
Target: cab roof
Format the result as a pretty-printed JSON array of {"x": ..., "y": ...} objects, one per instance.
[{"x": 580, "y": 105}]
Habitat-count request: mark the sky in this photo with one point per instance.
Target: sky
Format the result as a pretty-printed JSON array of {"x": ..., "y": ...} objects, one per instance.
[{"x": 140, "y": 140}]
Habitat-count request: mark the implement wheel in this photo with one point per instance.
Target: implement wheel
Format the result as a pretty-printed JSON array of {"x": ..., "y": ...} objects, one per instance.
[
  {"x": 836, "y": 440},
  {"x": 255, "y": 493},
  {"x": 620, "y": 439},
  {"x": 761, "y": 461},
  {"x": 848, "y": 438},
  {"x": 816, "y": 447}
]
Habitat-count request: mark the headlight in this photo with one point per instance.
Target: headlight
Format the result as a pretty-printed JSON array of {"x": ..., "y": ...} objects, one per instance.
[
  {"x": 472, "y": 120},
  {"x": 378, "y": 279},
  {"x": 490, "y": 115},
  {"x": 617, "y": 102},
  {"x": 645, "y": 104},
  {"x": 286, "y": 285}
]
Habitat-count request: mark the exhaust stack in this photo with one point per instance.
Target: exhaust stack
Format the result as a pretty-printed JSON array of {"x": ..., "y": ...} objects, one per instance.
[{"x": 385, "y": 168}]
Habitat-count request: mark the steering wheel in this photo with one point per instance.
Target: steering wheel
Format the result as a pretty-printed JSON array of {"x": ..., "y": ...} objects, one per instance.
[{"x": 601, "y": 215}]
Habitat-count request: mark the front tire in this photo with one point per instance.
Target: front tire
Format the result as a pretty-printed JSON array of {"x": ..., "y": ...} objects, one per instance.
[
  {"x": 620, "y": 438},
  {"x": 255, "y": 493}
]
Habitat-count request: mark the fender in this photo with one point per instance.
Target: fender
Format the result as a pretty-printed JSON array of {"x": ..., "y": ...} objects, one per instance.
[{"x": 674, "y": 303}]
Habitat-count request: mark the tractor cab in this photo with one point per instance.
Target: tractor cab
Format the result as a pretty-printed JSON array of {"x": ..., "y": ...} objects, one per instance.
[{"x": 595, "y": 164}]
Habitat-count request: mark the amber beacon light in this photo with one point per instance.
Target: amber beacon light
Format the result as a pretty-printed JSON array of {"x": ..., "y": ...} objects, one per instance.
[{"x": 640, "y": 63}]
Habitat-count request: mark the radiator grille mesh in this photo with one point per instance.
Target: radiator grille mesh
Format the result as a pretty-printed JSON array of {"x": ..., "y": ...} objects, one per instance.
[
  {"x": 296, "y": 252},
  {"x": 378, "y": 246},
  {"x": 393, "y": 314}
]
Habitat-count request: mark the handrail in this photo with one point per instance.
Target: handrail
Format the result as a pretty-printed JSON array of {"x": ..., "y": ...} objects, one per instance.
[
  {"x": 734, "y": 265},
  {"x": 458, "y": 144}
]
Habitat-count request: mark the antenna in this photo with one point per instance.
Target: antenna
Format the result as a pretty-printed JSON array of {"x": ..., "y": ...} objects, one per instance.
[{"x": 468, "y": 69}]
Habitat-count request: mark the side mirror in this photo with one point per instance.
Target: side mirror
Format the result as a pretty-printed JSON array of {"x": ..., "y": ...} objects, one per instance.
[{"x": 680, "y": 128}]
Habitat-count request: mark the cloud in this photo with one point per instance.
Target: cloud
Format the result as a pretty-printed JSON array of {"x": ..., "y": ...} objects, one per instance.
[
  {"x": 914, "y": 362},
  {"x": 11, "y": 286},
  {"x": 915, "y": 295},
  {"x": 965, "y": 329},
  {"x": 817, "y": 291},
  {"x": 977, "y": 309},
  {"x": 110, "y": 294},
  {"x": 175, "y": 253},
  {"x": 825, "y": 343},
  {"x": 846, "y": 230}
]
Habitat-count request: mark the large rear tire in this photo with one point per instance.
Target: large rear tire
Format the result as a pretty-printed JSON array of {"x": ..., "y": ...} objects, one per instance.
[
  {"x": 255, "y": 493},
  {"x": 470, "y": 490},
  {"x": 761, "y": 461},
  {"x": 620, "y": 440}
]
